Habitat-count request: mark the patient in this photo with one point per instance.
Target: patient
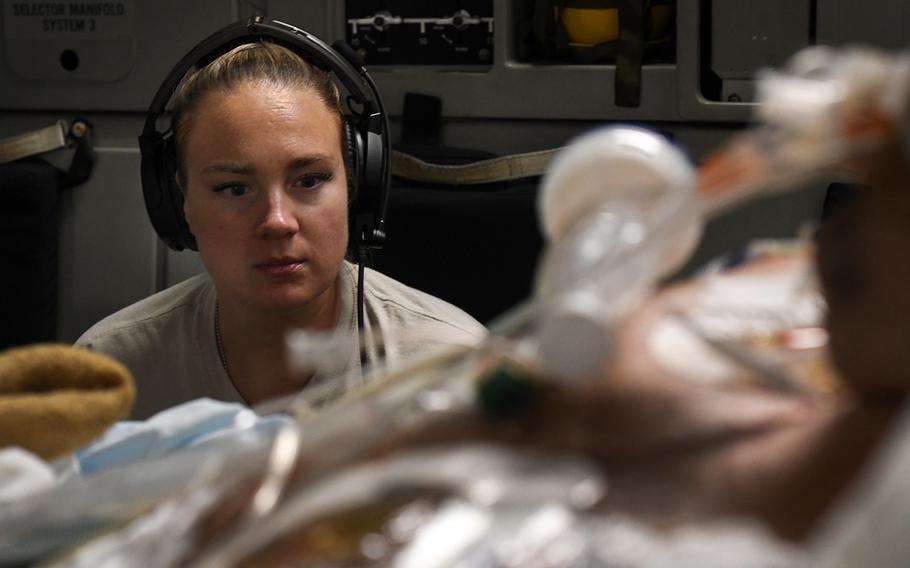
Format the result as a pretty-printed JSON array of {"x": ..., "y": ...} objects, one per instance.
[{"x": 676, "y": 451}]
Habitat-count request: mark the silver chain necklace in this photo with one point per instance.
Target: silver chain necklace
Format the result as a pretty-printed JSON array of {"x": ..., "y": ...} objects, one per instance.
[{"x": 220, "y": 343}]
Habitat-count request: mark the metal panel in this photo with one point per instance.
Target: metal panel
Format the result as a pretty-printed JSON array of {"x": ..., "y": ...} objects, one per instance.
[
  {"x": 748, "y": 35},
  {"x": 691, "y": 103},
  {"x": 54, "y": 58},
  {"x": 406, "y": 33},
  {"x": 509, "y": 89},
  {"x": 325, "y": 20},
  {"x": 107, "y": 246},
  {"x": 883, "y": 23}
]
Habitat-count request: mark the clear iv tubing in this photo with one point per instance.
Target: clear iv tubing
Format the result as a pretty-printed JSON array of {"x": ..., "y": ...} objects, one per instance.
[
  {"x": 616, "y": 246},
  {"x": 576, "y": 323}
]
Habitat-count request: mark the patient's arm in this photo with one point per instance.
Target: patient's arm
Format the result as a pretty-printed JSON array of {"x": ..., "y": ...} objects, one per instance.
[{"x": 675, "y": 450}]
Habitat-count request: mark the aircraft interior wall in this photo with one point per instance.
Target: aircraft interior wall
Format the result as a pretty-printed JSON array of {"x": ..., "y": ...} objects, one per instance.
[{"x": 503, "y": 102}]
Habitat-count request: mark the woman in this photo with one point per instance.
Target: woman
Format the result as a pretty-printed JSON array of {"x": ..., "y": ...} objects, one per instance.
[{"x": 262, "y": 170}]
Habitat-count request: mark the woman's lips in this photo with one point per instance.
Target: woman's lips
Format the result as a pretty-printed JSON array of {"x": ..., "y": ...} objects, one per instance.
[{"x": 280, "y": 267}]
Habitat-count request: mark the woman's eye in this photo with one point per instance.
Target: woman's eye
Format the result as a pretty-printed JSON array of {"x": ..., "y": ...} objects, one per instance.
[
  {"x": 232, "y": 190},
  {"x": 311, "y": 181}
]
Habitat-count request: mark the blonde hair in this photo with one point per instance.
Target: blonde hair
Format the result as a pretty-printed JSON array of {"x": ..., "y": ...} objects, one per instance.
[{"x": 263, "y": 62}]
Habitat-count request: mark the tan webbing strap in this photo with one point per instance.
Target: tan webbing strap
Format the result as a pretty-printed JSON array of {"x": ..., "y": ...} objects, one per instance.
[
  {"x": 511, "y": 167},
  {"x": 31, "y": 143}
]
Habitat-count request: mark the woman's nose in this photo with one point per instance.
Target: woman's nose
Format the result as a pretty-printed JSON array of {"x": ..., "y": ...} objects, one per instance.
[{"x": 279, "y": 218}]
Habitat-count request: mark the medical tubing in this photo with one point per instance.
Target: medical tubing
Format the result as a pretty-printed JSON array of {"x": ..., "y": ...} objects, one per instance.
[{"x": 601, "y": 269}]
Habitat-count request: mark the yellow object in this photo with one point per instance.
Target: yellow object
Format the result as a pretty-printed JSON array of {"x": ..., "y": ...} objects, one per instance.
[
  {"x": 587, "y": 27},
  {"x": 590, "y": 26},
  {"x": 54, "y": 399}
]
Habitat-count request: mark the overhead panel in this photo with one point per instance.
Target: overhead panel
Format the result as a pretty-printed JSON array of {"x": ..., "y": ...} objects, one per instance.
[{"x": 421, "y": 33}]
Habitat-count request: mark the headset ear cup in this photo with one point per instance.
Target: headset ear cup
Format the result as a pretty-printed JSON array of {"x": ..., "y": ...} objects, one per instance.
[
  {"x": 163, "y": 199},
  {"x": 173, "y": 197},
  {"x": 352, "y": 150}
]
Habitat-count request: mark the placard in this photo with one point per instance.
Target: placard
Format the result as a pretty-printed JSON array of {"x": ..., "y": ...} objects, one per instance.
[{"x": 83, "y": 41}]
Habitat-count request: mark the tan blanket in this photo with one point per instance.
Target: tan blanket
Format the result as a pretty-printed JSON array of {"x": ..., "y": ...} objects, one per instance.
[{"x": 56, "y": 398}]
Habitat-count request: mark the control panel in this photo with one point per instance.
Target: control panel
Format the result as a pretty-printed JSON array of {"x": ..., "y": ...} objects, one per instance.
[{"x": 417, "y": 33}]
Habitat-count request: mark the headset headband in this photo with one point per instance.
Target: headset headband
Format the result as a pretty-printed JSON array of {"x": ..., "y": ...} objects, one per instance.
[{"x": 369, "y": 121}]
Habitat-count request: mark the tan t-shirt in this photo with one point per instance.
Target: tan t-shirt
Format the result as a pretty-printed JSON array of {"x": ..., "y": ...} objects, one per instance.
[{"x": 168, "y": 340}]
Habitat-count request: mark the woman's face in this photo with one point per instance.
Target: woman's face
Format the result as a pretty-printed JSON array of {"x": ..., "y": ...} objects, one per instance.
[{"x": 266, "y": 196}]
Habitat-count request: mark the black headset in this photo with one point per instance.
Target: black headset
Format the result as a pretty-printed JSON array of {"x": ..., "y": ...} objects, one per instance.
[{"x": 365, "y": 132}]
